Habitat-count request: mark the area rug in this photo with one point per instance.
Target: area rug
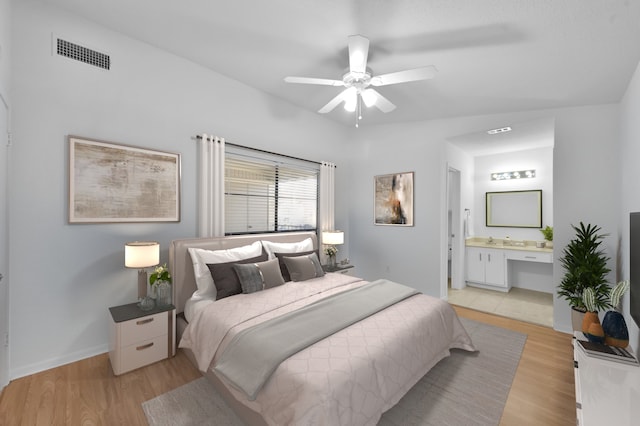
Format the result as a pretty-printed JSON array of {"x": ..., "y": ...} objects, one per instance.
[{"x": 462, "y": 389}]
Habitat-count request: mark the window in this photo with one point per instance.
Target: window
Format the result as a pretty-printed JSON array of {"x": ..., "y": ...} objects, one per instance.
[{"x": 267, "y": 195}]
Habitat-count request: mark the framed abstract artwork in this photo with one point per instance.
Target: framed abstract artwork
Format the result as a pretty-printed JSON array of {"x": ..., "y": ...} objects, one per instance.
[
  {"x": 393, "y": 199},
  {"x": 110, "y": 182}
]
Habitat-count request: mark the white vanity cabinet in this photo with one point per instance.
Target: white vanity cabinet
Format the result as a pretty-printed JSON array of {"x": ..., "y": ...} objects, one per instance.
[{"x": 486, "y": 267}]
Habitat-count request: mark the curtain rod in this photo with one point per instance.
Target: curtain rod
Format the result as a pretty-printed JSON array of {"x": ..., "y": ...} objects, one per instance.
[{"x": 263, "y": 151}]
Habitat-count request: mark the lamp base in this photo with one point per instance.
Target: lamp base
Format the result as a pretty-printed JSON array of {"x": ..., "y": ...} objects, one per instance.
[{"x": 142, "y": 283}]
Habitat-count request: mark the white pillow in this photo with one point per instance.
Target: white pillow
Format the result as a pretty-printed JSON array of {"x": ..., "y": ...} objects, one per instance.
[
  {"x": 273, "y": 248},
  {"x": 200, "y": 258}
]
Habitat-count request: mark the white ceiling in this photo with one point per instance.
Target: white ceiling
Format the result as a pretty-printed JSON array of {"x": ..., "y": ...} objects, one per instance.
[
  {"x": 526, "y": 135},
  {"x": 493, "y": 56}
]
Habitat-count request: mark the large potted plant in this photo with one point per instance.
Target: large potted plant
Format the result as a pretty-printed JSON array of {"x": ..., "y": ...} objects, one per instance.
[{"x": 585, "y": 263}]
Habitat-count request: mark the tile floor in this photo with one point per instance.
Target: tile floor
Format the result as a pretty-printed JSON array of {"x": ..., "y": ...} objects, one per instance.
[{"x": 525, "y": 305}]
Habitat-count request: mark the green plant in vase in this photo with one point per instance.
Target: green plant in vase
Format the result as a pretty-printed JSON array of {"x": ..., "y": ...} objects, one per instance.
[
  {"x": 331, "y": 252},
  {"x": 161, "y": 279},
  {"x": 614, "y": 326},
  {"x": 547, "y": 234}
]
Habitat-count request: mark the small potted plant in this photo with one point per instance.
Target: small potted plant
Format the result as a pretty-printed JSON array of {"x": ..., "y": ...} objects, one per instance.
[
  {"x": 331, "y": 252},
  {"x": 547, "y": 233},
  {"x": 161, "y": 279},
  {"x": 614, "y": 326},
  {"x": 585, "y": 263}
]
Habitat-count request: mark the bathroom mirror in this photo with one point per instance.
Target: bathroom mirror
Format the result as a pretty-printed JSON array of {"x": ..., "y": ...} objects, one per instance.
[{"x": 514, "y": 209}]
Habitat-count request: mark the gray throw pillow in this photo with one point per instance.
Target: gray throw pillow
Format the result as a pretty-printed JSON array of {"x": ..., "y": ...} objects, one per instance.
[
  {"x": 259, "y": 276},
  {"x": 283, "y": 267},
  {"x": 302, "y": 268},
  {"x": 226, "y": 280}
]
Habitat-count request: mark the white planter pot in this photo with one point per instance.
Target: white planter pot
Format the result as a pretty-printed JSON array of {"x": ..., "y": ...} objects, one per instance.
[{"x": 576, "y": 319}]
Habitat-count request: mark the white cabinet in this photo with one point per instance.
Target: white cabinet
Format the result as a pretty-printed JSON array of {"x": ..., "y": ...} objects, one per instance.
[
  {"x": 607, "y": 392},
  {"x": 486, "y": 267}
]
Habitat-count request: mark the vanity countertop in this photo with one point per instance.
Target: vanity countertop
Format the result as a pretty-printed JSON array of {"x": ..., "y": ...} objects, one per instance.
[{"x": 506, "y": 244}]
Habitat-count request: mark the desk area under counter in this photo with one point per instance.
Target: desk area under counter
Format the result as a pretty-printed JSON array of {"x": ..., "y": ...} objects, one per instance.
[{"x": 498, "y": 264}]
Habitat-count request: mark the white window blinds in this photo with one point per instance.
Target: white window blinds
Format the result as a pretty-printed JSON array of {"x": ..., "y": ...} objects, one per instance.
[{"x": 267, "y": 195}]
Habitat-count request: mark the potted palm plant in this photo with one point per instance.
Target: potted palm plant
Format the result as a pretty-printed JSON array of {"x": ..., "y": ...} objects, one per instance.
[{"x": 585, "y": 263}]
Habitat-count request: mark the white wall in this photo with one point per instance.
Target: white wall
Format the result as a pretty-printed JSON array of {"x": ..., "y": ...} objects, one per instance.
[
  {"x": 541, "y": 160},
  {"x": 585, "y": 147},
  {"x": 64, "y": 277},
  {"x": 586, "y": 184},
  {"x": 409, "y": 255},
  {"x": 5, "y": 47},
  {"x": 629, "y": 188}
]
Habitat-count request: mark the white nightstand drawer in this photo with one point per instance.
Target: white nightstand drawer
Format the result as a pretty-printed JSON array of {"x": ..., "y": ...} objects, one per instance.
[
  {"x": 144, "y": 353},
  {"x": 139, "y": 329}
]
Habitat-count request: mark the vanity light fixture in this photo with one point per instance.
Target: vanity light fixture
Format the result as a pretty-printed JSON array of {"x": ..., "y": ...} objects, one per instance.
[
  {"x": 521, "y": 174},
  {"x": 500, "y": 130}
]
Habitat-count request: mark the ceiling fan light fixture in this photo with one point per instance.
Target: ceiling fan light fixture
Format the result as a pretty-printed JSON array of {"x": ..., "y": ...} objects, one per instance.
[
  {"x": 369, "y": 97},
  {"x": 351, "y": 99},
  {"x": 358, "y": 78}
]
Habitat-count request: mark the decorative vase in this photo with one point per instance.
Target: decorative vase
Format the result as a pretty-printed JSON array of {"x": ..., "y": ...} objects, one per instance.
[
  {"x": 576, "y": 318},
  {"x": 615, "y": 329},
  {"x": 332, "y": 261},
  {"x": 163, "y": 292},
  {"x": 591, "y": 327}
]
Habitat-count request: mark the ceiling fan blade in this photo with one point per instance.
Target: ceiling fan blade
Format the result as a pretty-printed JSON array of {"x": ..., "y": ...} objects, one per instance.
[
  {"x": 416, "y": 74},
  {"x": 342, "y": 96},
  {"x": 373, "y": 97},
  {"x": 358, "y": 53},
  {"x": 310, "y": 80}
]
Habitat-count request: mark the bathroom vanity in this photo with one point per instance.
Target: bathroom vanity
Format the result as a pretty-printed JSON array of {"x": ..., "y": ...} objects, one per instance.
[{"x": 489, "y": 261}]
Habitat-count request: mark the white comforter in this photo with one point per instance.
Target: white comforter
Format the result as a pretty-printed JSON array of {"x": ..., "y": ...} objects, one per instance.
[{"x": 349, "y": 378}]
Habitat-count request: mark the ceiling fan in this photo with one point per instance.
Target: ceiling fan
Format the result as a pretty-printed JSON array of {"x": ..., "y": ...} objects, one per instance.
[{"x": 358, "y": 81}]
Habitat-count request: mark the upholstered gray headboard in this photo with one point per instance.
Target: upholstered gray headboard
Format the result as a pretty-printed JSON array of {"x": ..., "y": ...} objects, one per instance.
[{"x": 181, "y": 266}]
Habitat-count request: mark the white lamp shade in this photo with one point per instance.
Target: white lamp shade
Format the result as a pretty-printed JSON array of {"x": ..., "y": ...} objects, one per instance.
[
  {"x": 141, "y": 254},
  {"x": 332, "y": 238}
]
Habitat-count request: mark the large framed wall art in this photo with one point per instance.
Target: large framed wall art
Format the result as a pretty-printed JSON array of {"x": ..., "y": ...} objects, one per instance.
[
  {"x": 393, "y": 196},
  {"x": 110, "y": 182}
]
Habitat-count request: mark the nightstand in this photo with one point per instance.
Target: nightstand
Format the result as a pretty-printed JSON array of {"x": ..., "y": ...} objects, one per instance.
[
  {"x": 138, "y": 338},
  {"x": 340, "y": 269}
]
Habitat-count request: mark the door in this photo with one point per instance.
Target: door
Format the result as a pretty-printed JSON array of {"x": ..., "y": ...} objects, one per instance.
[
  {"x": 4, "y": 246},
  {"x": 455, "y": 234}
]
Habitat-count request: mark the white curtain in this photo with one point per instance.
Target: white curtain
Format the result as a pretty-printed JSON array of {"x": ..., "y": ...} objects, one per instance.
[
  {"x": 211, "y": 186},
  {"x": 327, "y": 197}
]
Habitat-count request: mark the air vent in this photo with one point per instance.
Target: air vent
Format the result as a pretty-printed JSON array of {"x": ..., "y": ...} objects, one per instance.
[{"x": 83, "y": 54}]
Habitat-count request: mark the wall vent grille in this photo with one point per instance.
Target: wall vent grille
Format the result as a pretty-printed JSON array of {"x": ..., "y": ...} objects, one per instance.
[{"x": 83, "y": 54}]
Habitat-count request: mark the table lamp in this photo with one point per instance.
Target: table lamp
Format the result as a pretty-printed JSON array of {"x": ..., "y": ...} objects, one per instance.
[
  {"x": 332, "y": 239},
  {"x": 141, "y": 255}
]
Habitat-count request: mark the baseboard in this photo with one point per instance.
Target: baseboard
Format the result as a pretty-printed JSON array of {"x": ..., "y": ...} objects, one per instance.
[{"x": 30, "y": 369}]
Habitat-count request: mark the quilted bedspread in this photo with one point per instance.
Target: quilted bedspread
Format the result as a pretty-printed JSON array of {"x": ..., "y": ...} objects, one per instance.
[{"x": 348, "y": 378}]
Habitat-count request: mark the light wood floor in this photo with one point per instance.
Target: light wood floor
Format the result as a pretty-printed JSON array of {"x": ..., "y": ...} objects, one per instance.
[{"x": 87, "y": 393}]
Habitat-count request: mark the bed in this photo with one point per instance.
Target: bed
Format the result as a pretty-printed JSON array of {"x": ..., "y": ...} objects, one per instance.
[{"x": 349, "y": 377}]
